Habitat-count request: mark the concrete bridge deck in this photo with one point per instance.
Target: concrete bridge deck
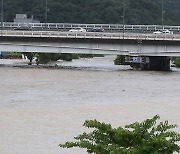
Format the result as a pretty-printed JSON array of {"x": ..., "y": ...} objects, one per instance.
[{"x": 91, "y": 43}]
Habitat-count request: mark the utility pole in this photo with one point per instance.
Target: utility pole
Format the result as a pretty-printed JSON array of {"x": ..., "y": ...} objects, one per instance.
[
  {"x": 2, "y": 7},
  {"x": 46, "y": 13},
  {"x": 162, "y": 15},
  {"x": 123, "y": 16}
]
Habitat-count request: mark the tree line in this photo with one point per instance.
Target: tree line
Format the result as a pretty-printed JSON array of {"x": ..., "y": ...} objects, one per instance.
[{"x": 96, "y": 11}]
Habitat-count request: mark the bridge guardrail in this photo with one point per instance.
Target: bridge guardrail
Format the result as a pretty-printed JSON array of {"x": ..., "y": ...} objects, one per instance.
[
  {"x": 117, "y": 27},
  {"x": 90, "y": 35}
]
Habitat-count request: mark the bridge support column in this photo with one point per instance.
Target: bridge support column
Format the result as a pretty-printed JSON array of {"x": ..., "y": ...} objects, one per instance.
[{"x": 157, "y": 64}]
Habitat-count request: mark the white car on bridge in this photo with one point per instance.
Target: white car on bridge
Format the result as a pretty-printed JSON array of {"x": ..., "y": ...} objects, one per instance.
[
  {"x": 78, "y": 29},
  {"x": 163, "y": 32}
]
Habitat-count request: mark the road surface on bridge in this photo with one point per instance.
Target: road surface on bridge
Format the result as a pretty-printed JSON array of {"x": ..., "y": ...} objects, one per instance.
[
  {"x": 106, "y": 27},
  {"x": 90, "y": 35}
]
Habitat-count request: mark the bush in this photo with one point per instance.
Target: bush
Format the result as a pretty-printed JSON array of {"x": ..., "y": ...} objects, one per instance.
[
  {"x": 146, "y": 137},
  {"x": 13, "y": 55},
  {"x": 90, "y": 55},
  {"x": 177, "y": 62},
  {"x": 66, "y": 56},
  {"x": 120, "y": 60}
]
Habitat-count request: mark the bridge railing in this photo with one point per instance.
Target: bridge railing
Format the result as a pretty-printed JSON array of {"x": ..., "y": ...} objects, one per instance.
[
  {"x": 89, "y": 35},
  {"x": 113, "y": 27}
]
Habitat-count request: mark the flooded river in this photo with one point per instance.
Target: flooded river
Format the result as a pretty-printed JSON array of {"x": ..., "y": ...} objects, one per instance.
[{"x": 40, "y": 108}]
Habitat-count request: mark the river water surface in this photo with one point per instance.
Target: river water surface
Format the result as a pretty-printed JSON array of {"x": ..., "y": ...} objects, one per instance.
[{"x": 40, "y": 108}]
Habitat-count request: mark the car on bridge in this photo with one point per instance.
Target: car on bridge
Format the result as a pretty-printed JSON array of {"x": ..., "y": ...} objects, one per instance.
[
  {"x": 163, "y": 32},
  {"x": 78, "y": 29},
  {"x": 96, "y": 30},
  {"x": 23, "y": 27}
]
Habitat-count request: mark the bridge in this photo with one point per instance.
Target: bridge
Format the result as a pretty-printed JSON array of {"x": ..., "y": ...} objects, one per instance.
[
  {"x": 106, "y": 27},
  {"x": 154, "y": 50}
]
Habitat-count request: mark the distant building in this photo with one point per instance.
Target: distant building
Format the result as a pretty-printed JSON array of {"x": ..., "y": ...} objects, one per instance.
[{"x": 22, "y": 18}]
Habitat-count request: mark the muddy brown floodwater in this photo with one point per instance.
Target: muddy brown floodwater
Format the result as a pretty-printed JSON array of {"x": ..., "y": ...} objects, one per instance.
[{"x": 40, "y": 108}]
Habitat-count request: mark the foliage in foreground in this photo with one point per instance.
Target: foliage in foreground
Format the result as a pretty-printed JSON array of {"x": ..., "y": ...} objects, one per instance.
[{"x": 146, "y": 137}]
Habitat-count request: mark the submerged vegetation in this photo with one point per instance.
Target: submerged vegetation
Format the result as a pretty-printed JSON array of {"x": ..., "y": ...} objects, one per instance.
[
  {"x": 44, "y": 58},
  {"x": 176, "y": 61},
  {"x": 138, "y": 138},
  {"x": 120, "y": 60}
]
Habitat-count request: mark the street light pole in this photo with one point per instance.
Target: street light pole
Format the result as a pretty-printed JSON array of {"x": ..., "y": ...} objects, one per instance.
[
  {"x": 123, "y": 16},
  {"x": 46, "y": 13},
  {"x": 2, "y": 7},
  {"x": 162, "y": 17}
]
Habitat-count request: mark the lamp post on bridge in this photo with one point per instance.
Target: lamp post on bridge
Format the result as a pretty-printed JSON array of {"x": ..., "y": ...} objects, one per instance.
[
  {"x": 46, "y": 10},
  {"x": 123, "y": 16},
  {"x": 162, "y": 13},
  {"x": 2, "y": 11}
]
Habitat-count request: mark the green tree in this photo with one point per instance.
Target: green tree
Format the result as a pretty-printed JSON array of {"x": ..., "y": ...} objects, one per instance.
[
  {"x": 146, "y": 137},
  {"x": 95, "y": 11},
  {"x": 44, "y": 58},
  {"x": 66, "y": 56},
  {"x": 176, "y": 61},
  {"x": 30, "y": 56},
  {"x": 120, "y": 60}
]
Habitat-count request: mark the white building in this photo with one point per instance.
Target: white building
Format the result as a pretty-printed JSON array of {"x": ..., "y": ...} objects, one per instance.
[{"x": 22, "y": 18}]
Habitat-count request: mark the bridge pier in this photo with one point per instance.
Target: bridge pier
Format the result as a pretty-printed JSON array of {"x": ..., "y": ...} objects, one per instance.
[{"x": 157, "y": 64}]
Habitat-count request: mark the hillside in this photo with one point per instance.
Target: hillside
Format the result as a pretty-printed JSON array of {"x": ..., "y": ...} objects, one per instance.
[{"x": 96, "y": 11}]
